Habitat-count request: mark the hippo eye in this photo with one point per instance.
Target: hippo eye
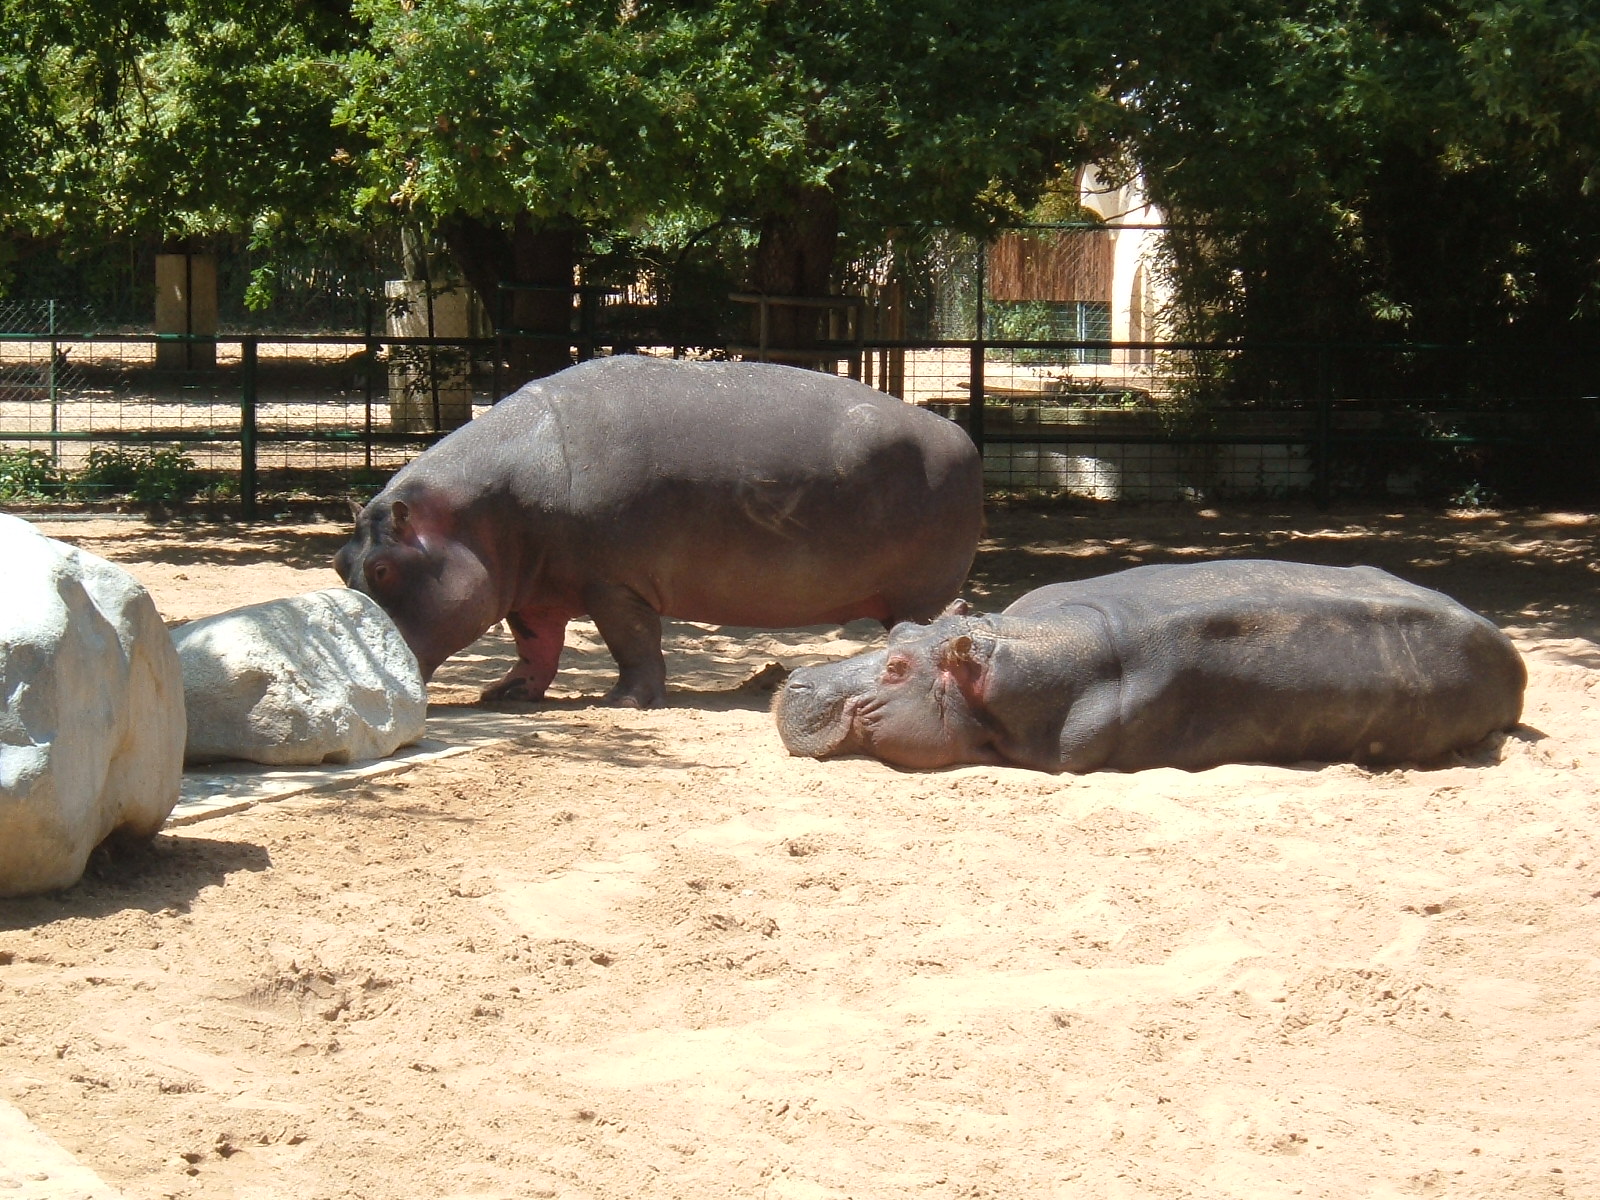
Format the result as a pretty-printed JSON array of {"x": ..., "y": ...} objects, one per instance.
[
  {"x": 895, "y": 670},
  {"x": 379, "y": 574}
]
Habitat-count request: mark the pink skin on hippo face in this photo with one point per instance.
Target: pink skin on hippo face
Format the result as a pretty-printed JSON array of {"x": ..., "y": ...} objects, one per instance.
[
  {"x": 433, "y": 589},
  {"x": 630, "y": 489}
]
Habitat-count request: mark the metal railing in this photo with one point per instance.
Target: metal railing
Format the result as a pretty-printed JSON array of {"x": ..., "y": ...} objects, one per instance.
[
  {"x": 352, "y": 406},
  {"x": 325, "y": 415}
]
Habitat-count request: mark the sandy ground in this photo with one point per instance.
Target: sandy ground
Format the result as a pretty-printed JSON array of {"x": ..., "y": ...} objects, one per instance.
[{"x": 649, "y": 955}]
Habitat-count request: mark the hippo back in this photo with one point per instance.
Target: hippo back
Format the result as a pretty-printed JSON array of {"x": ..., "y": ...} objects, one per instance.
[
  {"x": 1263, "y": 660},
  {"x": 614, "y": 429},
  {"x": 733, "y": 493}
]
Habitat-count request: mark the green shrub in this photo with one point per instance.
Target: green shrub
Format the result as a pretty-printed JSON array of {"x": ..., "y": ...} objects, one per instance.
[
  {"x": 219, "y": 489},
  {"x": 147, "y": 476},
  {"x": 27, "y": 475}
]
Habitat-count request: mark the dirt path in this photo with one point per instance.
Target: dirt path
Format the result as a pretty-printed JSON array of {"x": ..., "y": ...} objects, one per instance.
[{"x": 649, "y": 955}]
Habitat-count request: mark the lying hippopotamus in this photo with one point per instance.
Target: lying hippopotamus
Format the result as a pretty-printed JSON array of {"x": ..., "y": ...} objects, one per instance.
[
  {"x": 1172, "y": 666},
  {"x": 629, "y": 489}
]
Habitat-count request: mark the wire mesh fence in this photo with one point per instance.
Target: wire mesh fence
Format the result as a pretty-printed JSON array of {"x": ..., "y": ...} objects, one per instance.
[
  {"x": 1167, "y": 420},
  {"x": 1079, "y": 282},
  {"x": 98, "y": 417},
  {"x": 1044, "y": 342},
  {"x": 285, "y": 416},
  {"x": 37, "y": 372}
]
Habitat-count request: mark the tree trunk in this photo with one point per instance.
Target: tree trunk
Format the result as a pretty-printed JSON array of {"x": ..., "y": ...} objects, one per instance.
[
  {"x": 795, "y": 258},
  {"x": 534, "y": 315}
]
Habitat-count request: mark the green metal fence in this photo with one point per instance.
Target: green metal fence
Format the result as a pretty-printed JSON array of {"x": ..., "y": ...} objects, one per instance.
[{"x": 98, "y": 417}]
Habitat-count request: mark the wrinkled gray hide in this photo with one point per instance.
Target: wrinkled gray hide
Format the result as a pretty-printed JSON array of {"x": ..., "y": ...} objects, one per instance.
[
  {"x": 629, "y": 489},
  {"x": 1173, "y": 666}
]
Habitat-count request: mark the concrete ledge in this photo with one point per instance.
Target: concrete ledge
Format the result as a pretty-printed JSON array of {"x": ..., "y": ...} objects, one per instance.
[
  {"x": 217, "y": 789},
  {"x": 34, "y": 1166}
]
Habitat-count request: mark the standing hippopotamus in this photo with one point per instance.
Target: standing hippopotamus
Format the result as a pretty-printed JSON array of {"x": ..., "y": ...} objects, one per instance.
[
  {"x": 629, "y": 489},
  {"x": 1172, "y": 666}
]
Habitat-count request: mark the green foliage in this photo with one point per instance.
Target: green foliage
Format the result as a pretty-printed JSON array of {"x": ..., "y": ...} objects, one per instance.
[
  {"x": 219, "y": 489},
  {"x": 148, "y": 476},
  {"x": 27, "y": 475},
  {"x": 174, "y": 120},
  {"x": 1343, "y": 168},
  {"x": 1025, "y": 320},
  {"x": 612, "y": 115},
  {"x": 1376, "y": 170},
  {"x": 1475, "y": 497}
]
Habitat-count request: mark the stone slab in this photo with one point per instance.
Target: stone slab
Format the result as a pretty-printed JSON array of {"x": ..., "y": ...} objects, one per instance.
[
  {"x": 217, "y": 789},
  {"x": 34, "y": 1166}
]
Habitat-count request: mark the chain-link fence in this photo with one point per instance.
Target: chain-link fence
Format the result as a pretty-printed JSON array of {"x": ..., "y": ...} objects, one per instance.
[
  {"x": 1000, "y": 337},
  {"x": 38, "y": 370},
  {"x": 334, "y": 289},
  {"x": 1065, "y": 282},
  {"x": 283, "y": 416},
  {"x": 1167, "y": 420}
]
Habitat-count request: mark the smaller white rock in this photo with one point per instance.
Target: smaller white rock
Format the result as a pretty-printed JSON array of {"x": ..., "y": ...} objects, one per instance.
[{"x": 322, "y": 677}]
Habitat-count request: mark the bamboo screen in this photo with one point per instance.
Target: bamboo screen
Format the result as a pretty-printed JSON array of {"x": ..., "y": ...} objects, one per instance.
[{"x": 1057, "y": 267}]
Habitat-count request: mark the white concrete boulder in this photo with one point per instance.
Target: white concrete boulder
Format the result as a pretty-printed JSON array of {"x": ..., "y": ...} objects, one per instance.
[
  {"x": 91, "y": 710},
  {"x": 321, "y": 677}
]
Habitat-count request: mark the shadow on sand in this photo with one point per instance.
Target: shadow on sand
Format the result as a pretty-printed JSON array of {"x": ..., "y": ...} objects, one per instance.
[
  {"x": 1514, "y": 566},
  {"x": 152, "y": 876}
]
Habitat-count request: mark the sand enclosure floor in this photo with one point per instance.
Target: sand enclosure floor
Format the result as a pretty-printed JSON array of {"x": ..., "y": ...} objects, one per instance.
[{"x": 635, "y": 954}]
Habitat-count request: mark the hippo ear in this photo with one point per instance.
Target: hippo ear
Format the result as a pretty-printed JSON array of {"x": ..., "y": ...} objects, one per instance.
[
  {"x": 957, "y": 660},
  {"x": 959, "y": 607},
  {"x": 355, "y": 510},
  {"x": 956, "y": 653},
  {"x": 402, "y": 528}
]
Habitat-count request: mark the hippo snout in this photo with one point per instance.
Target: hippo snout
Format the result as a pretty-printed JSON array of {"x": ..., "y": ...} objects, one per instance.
[
  {"x": 815, "y": 707},
  {"x": 808, "y": 724}
]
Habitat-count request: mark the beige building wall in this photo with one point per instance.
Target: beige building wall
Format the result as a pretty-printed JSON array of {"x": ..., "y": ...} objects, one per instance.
[{"x": 1135, "y": 302}]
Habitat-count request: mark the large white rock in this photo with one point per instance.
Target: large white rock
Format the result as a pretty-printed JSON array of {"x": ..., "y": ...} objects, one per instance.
[
  {"x": 322, "y": 677},
  {"x": 91, "y": 710}
]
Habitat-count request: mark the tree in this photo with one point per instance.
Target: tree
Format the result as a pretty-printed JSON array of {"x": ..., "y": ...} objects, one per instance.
[
  {"x": 513, "y": 126},
  {"x": 1352, "y": 169},
  {"x": 1340, "y": 168},
  {"x": 506, "y": 128},
  {"x": 173, "y": 120}
]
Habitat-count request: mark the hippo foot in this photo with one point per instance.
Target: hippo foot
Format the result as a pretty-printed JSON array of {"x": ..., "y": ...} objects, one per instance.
[
  {"x": 637, "y": 696},
  {"x": 513, "y": 688}
]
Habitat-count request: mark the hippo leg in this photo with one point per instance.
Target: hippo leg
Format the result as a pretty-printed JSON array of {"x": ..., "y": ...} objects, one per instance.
[
  {"x": 539, "y": 636},
  {"x": 632, "y": 632}
]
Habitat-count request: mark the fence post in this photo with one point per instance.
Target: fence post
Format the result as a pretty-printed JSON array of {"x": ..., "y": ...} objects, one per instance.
[
  {"x": 55, "y": 392},
  {"x": 586, "y": 324},
  {"x": 975, "y": 397},
  {"x": 499, "y": 321},
  {"x": 371, "y": 372},
  {"x": 1324, "y": 476},
  {"x": 247, "y": 428}
]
